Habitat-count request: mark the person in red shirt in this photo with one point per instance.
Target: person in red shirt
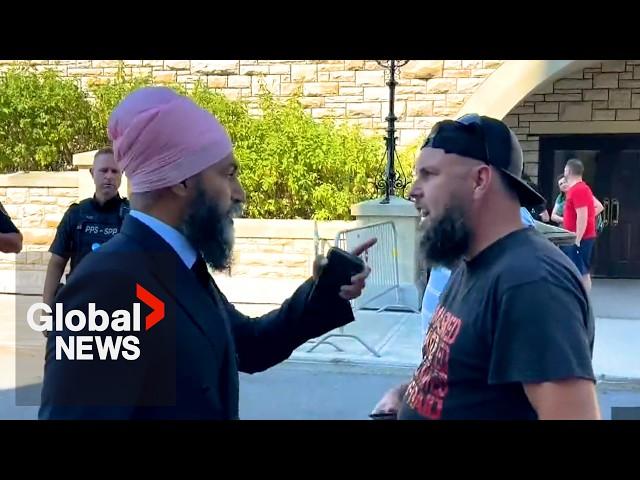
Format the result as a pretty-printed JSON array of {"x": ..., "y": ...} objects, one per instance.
[{"x": 580, "y": 218}]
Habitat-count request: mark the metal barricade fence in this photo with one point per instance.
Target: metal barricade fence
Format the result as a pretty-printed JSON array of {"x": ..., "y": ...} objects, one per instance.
[{"x": 384, "y": 279}]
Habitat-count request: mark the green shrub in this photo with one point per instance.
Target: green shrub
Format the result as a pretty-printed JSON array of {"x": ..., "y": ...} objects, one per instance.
[
  {"x": 407, "y": 157},
  {"x": 44, "y": 120},
  {"x": 233, "y": 114},
  {"x": 107, "y": 96},
  {"x": 292, "y": 166},
  {"x": 296, "y": 167}
]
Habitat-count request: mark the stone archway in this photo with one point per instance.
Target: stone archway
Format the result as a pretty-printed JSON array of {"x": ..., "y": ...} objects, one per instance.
[{"x": 513, "y": 81}]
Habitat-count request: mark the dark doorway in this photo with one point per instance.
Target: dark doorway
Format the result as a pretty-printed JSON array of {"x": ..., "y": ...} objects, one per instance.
[{"x": 612, "y": 170}]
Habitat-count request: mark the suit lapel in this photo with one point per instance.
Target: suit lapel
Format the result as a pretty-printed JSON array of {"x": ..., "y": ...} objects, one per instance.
[
  {"x": 179, "y": 282},
  {"x": 233, "y": 384}
]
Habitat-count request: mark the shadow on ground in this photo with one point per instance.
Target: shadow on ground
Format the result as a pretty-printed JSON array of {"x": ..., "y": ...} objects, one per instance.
[{"x": 297, "y": 392}]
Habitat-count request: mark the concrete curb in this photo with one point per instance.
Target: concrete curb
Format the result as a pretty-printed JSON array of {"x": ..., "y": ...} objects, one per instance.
[
  {"x": 358, "y": 367},
  {"x": 366, "y": 365}
]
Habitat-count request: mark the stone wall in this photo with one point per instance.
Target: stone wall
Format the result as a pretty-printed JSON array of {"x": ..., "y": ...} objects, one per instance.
[
  {"x": 37, "y": 201},
  {"x": 587, "y": 101},
  {"x": 281, "y": 248},
  {"x": 351, "y": 91}
]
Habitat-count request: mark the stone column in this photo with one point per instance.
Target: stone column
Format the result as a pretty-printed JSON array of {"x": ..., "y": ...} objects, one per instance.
[{"x": 405, "y": 217}]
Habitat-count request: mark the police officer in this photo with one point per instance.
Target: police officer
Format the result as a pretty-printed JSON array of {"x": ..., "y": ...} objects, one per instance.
[
  {"x": 10, "y": 236},
  {"x": 88, "y": 224}
]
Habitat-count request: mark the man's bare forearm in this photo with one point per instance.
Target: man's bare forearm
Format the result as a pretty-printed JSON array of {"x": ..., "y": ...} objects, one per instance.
[
  {"x": 598, "y": 206},
  {"x": 581, "y": 224},
  {"x": 55, "y": 270},
  {"x": 571, "y": 399}
]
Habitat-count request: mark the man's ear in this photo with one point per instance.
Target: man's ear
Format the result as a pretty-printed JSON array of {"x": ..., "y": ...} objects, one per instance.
[
  {"x": 91, "y": 171},
  {"x": 482, "y": 178},
  {"x": 181, "y": 189}
]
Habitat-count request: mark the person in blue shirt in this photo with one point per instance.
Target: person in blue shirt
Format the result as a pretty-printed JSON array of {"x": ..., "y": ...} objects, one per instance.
[{"x": 439, "y": 277}]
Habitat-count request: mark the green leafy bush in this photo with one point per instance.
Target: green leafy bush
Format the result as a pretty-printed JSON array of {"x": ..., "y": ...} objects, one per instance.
[
  {"x": 44, "y": 120},
  {"x": 108, "y": 95},
  {"x": 292, "y": 166},
  {"x": 407, "y": 157}
]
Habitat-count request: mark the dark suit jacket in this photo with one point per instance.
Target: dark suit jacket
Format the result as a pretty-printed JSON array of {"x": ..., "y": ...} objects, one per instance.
[{"x": 189, "y": 361}]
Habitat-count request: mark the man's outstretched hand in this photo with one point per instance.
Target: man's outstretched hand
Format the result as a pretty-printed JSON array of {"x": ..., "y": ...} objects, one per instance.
[{"x": 353, "y": 290}]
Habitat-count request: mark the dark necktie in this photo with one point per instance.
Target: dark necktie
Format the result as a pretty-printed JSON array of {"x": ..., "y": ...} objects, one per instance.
[{"x": 201, "y": 272}]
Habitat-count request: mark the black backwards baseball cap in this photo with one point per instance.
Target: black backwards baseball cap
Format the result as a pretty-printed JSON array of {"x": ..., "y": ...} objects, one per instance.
[{"x": 490, "y": 141}]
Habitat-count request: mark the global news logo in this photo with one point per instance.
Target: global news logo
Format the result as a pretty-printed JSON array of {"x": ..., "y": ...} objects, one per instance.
[{"x": 86, "y": 346}]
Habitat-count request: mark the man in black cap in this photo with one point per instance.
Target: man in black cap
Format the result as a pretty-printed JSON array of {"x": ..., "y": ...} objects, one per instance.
[{"x": 512, "y": 336}]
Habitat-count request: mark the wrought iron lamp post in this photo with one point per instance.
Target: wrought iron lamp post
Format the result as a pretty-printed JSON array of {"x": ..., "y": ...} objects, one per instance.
[{"x": 391, "y": 180}]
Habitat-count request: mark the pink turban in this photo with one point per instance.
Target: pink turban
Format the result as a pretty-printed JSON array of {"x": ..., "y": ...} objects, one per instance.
[{"x": 161, "y": 138}]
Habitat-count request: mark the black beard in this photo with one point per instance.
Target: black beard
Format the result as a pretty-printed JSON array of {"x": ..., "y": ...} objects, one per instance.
[
  {"x": 210, "y": 231},
  {"x": 446, "y": 240}
]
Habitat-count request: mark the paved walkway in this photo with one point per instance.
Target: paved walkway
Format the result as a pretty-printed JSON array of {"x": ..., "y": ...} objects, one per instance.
[
  {"x": 395, "y": 337},
  {"x": 398, "y": 340}
]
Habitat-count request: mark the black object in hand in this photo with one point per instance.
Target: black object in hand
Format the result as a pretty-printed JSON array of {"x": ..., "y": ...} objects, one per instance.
[
  {"x": 383, "y": 416},
  {"x": 340, "y": 267}
]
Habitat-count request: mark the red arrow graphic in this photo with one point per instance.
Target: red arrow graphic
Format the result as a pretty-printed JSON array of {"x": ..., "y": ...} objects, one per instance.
[{"x": 152, "y": 301}]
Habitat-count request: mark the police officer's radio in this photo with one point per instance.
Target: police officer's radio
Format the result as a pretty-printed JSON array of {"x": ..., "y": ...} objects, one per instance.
[{"x": 95, "y": 228}]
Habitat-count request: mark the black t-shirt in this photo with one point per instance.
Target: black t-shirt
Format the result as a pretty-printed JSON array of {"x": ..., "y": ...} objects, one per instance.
[
  {"x": 6, "y": 225},
  {"x": 87, "y": 225},
  {"x": 516, "y": 313}
]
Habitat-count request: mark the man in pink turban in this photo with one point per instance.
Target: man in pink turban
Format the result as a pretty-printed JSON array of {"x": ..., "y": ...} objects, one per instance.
[{"x": 183, "y": 359}]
